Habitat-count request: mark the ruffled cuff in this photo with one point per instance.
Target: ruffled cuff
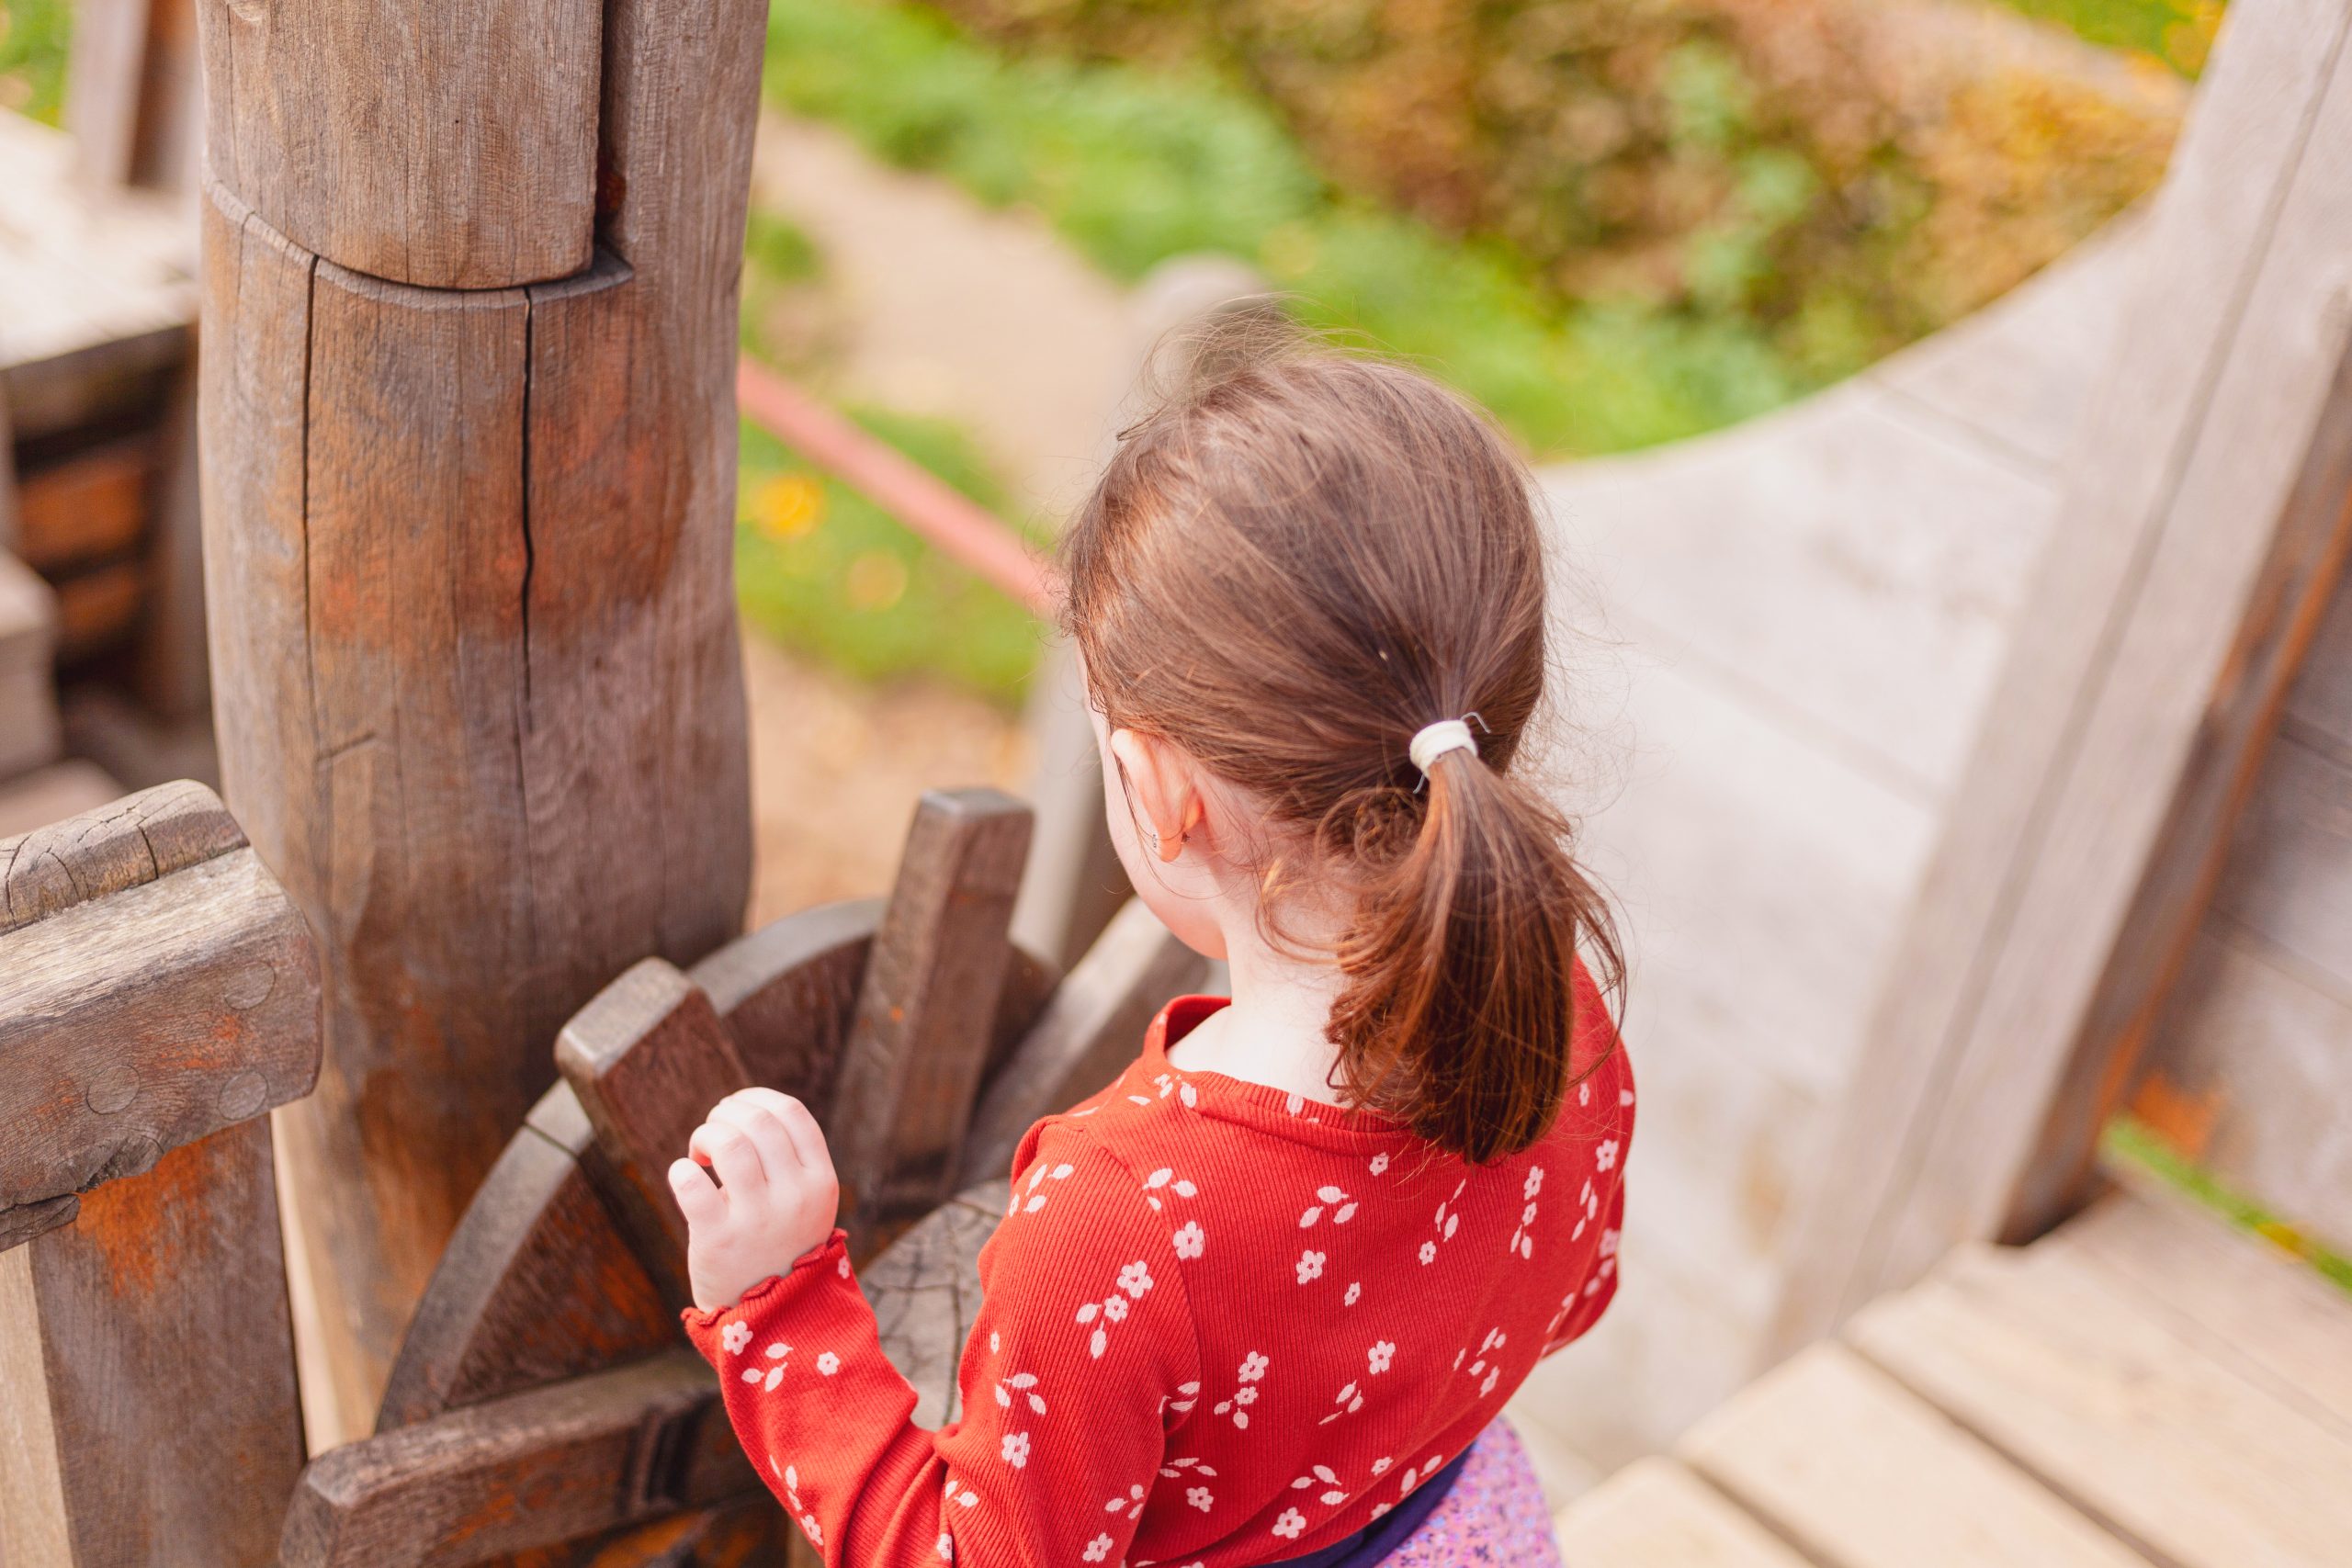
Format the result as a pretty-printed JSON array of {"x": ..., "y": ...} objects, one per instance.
[{"x": 763, "y": 1301}]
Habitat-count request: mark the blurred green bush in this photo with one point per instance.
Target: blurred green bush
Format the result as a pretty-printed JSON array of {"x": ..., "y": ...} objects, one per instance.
[{"x": 34, "y": 39}]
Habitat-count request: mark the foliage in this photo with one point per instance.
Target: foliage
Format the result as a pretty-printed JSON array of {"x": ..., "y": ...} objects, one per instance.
[
  {"x": 2177, "y": 32},
  {"x": 2132, "y": 1142},
  {"x": 34, "y": 35},
  {"x": 1138, "y": 165},
  {"x": 1807, "y": 182},
  {"x": 820, "y": 569}
]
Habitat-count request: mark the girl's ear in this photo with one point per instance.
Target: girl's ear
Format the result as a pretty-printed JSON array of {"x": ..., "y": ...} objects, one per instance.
[{"x": 1165, "y": 788}]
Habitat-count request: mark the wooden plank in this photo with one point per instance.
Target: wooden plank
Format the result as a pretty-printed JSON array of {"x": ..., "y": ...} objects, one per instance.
[
  {"x": 925, "y": 1291},
  {"x": 537, "y": 1283},
  {"x": 174, "y": 672},
  {"x": 169, "y": 1359},
  {"x": 102, "y": 81},
  {"x": 455, "y": 154},
  {"x": 2319, "y": 707},
  {"x": 932, "y": 982},
  {"x": 788, "y": 994},
  {"x": 1091, "y": 1028},
  {"x": 91, "y": 504},
  {"x": 136, "y": 1022},
  {"x": 2075, "y": 1380},
  {"x": 2188, "y": 544},
  {"x": 579, "y": 1457},
  {"x": 2248, "y": 1073},
  {"x": 2290, "y": 873},
  {"x": 1654, "y": 1514},
  {"x": 28, "y": 727},
  {"x": 135, "y": 840},
  {"x": 647, "y": 1058},
  {"x": 1838, "y": 1456},
  {"x": 2243, "y": 1301}
]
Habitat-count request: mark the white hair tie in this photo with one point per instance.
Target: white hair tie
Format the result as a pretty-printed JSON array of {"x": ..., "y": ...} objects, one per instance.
[{"x": 1434, "y": 741}]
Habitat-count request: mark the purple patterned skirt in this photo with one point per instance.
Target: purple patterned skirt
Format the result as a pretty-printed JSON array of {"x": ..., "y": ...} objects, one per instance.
[
  {"x": 1483, "y": 1508},
  {"x": 1493, "y": 1515}
]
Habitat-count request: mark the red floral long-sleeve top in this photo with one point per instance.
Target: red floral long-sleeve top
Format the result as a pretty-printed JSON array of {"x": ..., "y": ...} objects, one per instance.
[{"x": 1223, "y": 1326}]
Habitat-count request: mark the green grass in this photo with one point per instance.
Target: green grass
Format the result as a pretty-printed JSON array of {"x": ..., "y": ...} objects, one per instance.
[
  {"x": 2132, "y": 1142},
  {"x": 1135, "y": 165},
  {"x": 2177, "y": 32},
  {"x": 35, "y": 36},
  {"x": 821, "y": 570}
]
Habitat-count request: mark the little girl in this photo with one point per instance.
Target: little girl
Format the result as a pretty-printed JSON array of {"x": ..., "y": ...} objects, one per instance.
[{"x": 1260, "y": 1300}]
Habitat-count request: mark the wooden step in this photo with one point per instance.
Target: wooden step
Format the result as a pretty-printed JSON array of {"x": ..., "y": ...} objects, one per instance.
[
  {"x": 2079, "y": 1375},
  {"x": 1656, "y": 1513},
  {"x": 1838, "y": 1456}
]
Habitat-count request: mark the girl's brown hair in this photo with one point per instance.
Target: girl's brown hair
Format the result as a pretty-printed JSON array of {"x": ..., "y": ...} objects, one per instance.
[{"x": 1296, "y": 560}]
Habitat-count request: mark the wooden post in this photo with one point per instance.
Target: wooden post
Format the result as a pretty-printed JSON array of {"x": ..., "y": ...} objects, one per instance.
[
  {"x": 2202, "y": 530},
  {"x": 469, "y": 442},
  {"x": 158, "y": 994}
]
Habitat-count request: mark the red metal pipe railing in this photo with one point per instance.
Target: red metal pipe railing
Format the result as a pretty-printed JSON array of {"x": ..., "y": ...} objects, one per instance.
[{"x": 953, "y": 522}]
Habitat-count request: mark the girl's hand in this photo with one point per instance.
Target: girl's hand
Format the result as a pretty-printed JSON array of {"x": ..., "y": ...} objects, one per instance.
[{"x": 775, "y": 1199}]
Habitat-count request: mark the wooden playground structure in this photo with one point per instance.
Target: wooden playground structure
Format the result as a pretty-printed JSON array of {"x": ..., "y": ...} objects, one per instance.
[{"x": 458, "y": 963}]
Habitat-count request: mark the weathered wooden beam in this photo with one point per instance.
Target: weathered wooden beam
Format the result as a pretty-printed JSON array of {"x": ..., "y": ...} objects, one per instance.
[
  {"x": 1091, "y": 1028},
  {"x": 647, "y": 1058},
  {"x": 158, "y": 994},
  {"x": 920, "y": 1042},
  {"x": 2143, "y": 677},
  {"x": 535, "y": 1469},
  {"x": 467, "y": 504}
]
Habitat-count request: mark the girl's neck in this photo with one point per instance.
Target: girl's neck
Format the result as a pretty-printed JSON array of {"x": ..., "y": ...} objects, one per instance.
[{"x": 1276, "y": 1032}]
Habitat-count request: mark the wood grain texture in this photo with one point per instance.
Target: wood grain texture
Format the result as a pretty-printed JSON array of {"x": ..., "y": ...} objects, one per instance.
[
  {"x": 647, "y": 1058},
  {"x": 920, "y": 1046},
  {"x": 2183, "y": 473},
  {"x": 156, "y": 985},
  {"x": 1654, "y": 1514},
  {"x": 1838, "y": 1456},
  {"x": 2080, "y": 1383},
  {"x": 160, "y": 1328},
  {"x": 577, "y": 1457},
  {"x": 496, "y": 750},
  {"x": 450, "y": 149},
  {"x": 537, "y": 1283},
  {"x": 2244, "y": 1302},
  {"x": 2289, "y": 879},
  {"x": 1091, "y": 1028}
]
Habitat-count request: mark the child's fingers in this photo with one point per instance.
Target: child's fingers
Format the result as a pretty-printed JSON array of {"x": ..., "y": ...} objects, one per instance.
[
  {"x": 807, "y": 1138},
  {"x": 700, "y": 1202},
  {"x": 730, "y": 1154},
  {"x": 778, "y": 1156}
]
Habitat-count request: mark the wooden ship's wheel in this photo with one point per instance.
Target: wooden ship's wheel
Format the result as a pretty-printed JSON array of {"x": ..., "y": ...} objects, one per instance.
[{"x": 543, "y": 1408}]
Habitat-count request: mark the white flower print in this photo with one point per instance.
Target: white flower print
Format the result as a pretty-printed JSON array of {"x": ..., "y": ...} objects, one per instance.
[
  {"x": 1024, "y": 1384},
  {"x": 1015, "y": 1450},
  {"x": 1584, "y": 1093},
  {"x": 1166, "y": 1176},
  {"x": 1310, "y": 1267},
  {"x": 1605, "y": 1157},
  {"x": 777, "y": 1352},
  {"x": 1332, "y": 1493},
  {"x": 1132, "y": 1502},
  {"x": 1115, "y": 1308},
  {"x": 1535, "y": 1182},
  {"x": 1379, "y": 1164},
  {"x": 1447, "y": 1221},
  {"x": 1199, "y": 1497},
  {"x": 1487, "y": 1387},
  {"x": 1380, "y": 1466},
  {"x": 946, "y": 1547},
  {"x": 1135, "y": 1279},
  {"x": 961, "y": 1496},
  {"x": 1607, "y": 1243},
  {"x": 1188, "y": 1240},
  {"x": 1349, "y": 1400},
  {"x": 1379, "y": 1355},
  {"x": 1253, "y": 1367},
  {"x": 1625, "y": 1096},
  {"x": 843, "y": 1267},
  {"x": 828, "y": 1364},
  {"x": 1191, "y": 1396},
  {"x": 1429, "y": 1252},
  {"x": 1099, "y": 1547},
  {"x": 1355, "y": 1290},
  {"x": 1036, "y": 1200},
  {"x": 1294, "y": 1104},
  {"x": 734, "y": 1336},
  {"x": 1325, "y": 1197},
  {"x": 1291, "y": 1525}
]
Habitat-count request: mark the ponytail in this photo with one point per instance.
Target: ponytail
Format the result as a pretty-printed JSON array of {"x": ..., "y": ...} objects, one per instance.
[
  {"x": 1460, "y": 1014},
  {"x": 1294, "y": 560}
]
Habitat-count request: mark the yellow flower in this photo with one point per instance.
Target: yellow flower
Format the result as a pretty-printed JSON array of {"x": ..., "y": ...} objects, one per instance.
[
  {"x": 788, "y": 506},
  {"x": 877, "y": 579}
]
